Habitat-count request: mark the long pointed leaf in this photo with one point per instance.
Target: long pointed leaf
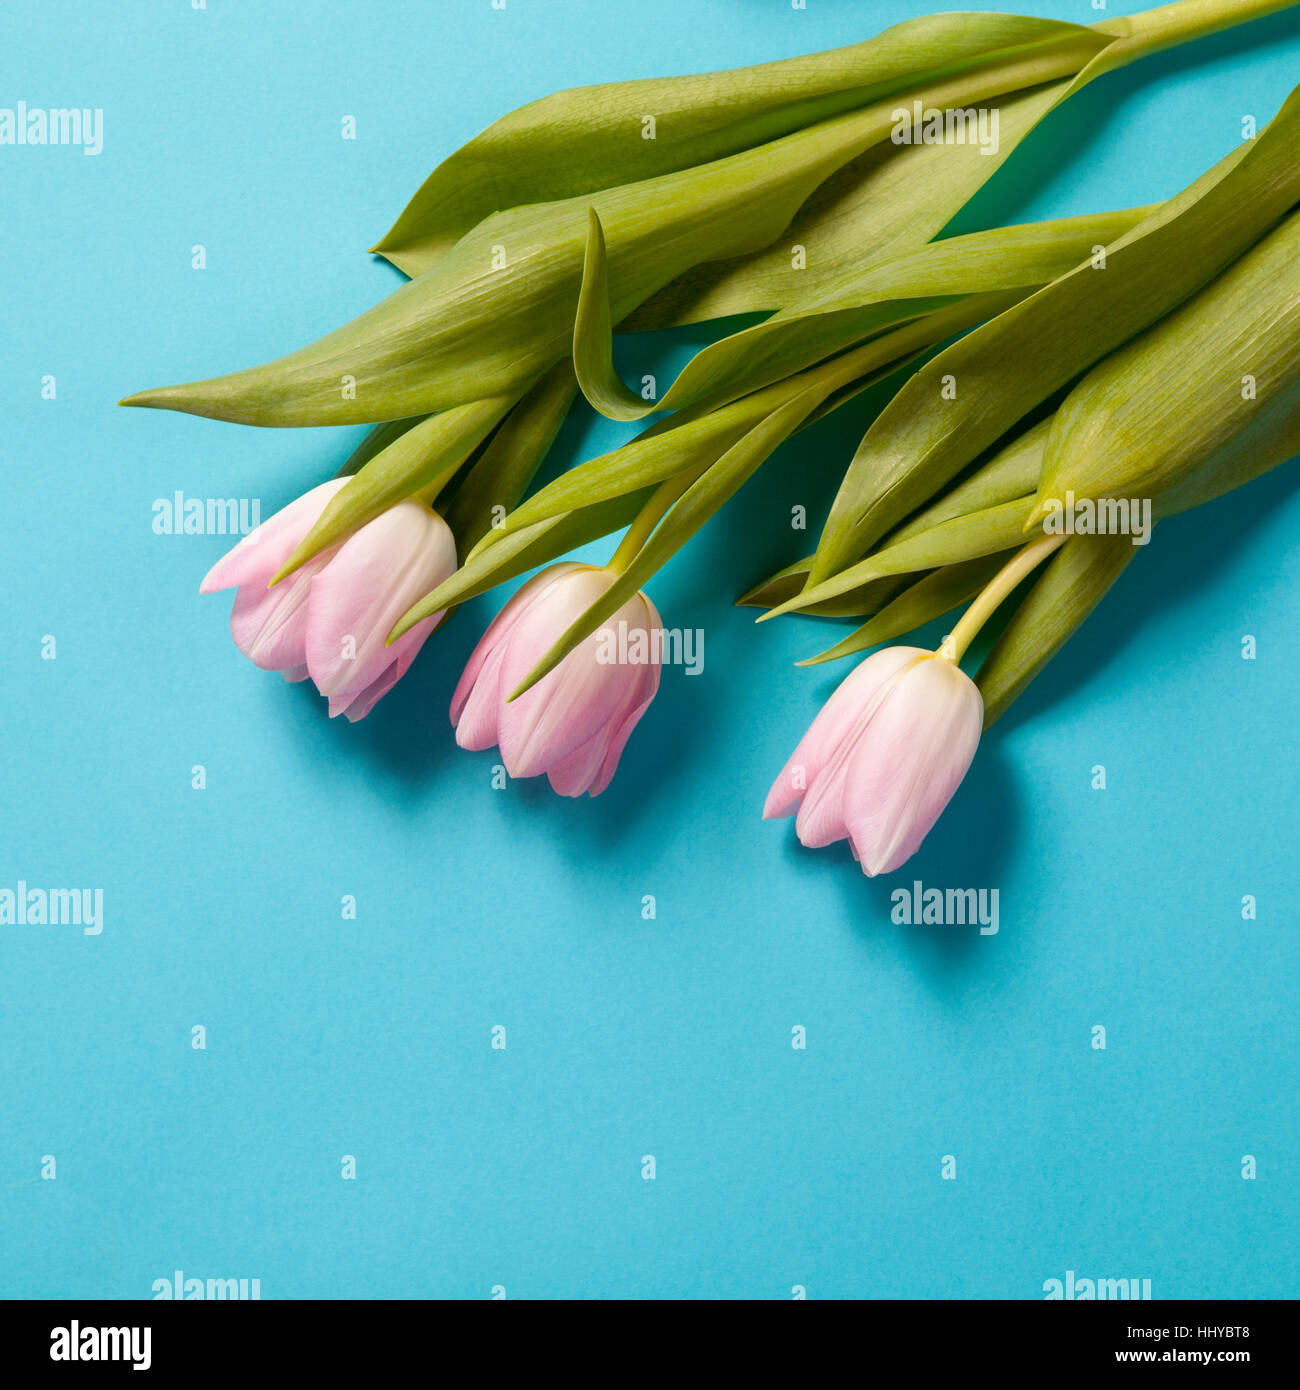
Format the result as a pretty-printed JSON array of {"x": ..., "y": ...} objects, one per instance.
[
  {"x": 588, "y": 139},
  {"x": 417, "y": 459},
  {"x": 862, "y": 302},
  {"x": 922, "y": 439},
  {"x": 699, "y": 502},
  {"x": 671, "y": 445},
  {"x": 932, "y": 596},
  {"x": 376, "y": 441},
  {"x": 895, "y": 196},
  {"x": 1170, "y": 399},
  {"x": 1011, "y": 473},
  {"x": 500, "y": 476},
  {"x": 961, "y": 538},
  {"x": 522, "y": 551},
  {"x": 497, "y": 310}
]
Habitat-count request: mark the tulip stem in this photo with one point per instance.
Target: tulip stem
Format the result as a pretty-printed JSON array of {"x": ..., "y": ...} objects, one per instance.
[
  {"x": 1168, "y": 25},
  {"x": 1023, "y": 562},
  {"x": 642, "y": 527}
]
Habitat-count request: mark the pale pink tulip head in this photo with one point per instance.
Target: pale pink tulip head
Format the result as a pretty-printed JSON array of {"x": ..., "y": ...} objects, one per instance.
[
  {"x": 573, "y": 724},
  {"x": 331, "y": 618},
  {"x": 883, "y": 758}
]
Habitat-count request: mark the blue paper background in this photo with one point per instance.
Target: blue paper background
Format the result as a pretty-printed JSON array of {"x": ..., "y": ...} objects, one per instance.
[{"x": 522, "y": 1168}]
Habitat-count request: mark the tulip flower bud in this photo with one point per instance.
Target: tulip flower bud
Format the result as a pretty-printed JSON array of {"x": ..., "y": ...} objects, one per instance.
[
  {"x": 573, "y": 724},
  {"x": 883, "y": 758},
  {"x": 330, "y": 619}
]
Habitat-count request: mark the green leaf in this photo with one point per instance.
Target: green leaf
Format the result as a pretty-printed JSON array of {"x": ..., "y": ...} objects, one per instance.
[
  {"x": 1070, "y": 586},
  {"x": 522, "y": 551},
  {"x": 1012, "y": 472},
  {"x": 866, "y": 599},
  {"x": 921, "y": 439},
  {"x": 593, "y": 336},
  {"x": 376, "y": 441},
  {"x": 1269, "y": 438},
  {"x": 497, "y": 310},
  {"x": 960, "y": 538},
  {"x": 421, "y": 456},
  {"x": 696, "y": 505},
  {"x": 699, "y": 435},
  {"x": 885, "y": 203},
  {"x": 1159, "y": 407},
  {"x": 895, "y": 196},
  {"x": 858, "y": 304},
  {"x": 778, "y": 587},
  {"x": 661, "y": 452},
  {"x": 856, "y": 603},
  {"x": 932, "y": 596},
  {"x": 587, "y": 139},
  {"x": 498, "y": 478}
]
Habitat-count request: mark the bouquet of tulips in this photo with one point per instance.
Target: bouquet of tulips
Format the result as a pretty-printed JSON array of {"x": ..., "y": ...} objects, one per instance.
[{"x": 1123, "y": 365}]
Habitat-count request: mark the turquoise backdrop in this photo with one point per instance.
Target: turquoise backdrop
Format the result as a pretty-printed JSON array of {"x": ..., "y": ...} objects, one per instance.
[{"x": 127, "y": 1153}]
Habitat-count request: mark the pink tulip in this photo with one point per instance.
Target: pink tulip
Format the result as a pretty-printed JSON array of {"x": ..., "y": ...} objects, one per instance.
[
  {"x": 573, "y": 724},
  {"x": 331, "y": 618},
  {"x": 883, "y": 758}
]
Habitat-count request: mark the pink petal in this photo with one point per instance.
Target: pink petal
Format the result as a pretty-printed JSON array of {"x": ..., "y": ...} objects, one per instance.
[
  {"x": 573, "y": 775},
  {"x": 481, "y": 708},
  {"x": 619, "y": 741},
  {"x": 911, "y": 760},
  {"x": 573, "y": 723},
  {"x": 836, "y": 719},
  {"x": 822, "y": 818},
  {"x": 375, "y": 577},
  {"x": 598, "y": 757},
  {"x": 402, "y": 652},
  {"x": 270, "y": 625},
  {"x": 260, "y": 553},
  {"x": 519, "y": 603},
  {"x": 356, "y": 704},
  {"x": 640, "y": 701},
  {"x": 581, "y": 695}
]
